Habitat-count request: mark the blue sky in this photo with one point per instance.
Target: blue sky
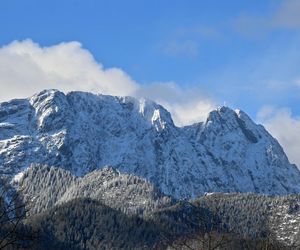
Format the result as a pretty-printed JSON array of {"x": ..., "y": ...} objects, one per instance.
[
  {"x": 245, "y": 53},
  {"x": 189, "y": 42}
]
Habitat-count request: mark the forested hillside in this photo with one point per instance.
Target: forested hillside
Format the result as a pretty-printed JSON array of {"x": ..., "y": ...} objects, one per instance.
[{"x": 227, "y": 221}]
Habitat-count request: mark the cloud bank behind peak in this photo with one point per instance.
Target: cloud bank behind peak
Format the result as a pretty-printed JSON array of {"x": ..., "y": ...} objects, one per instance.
[{"x": 26, "y": 68}]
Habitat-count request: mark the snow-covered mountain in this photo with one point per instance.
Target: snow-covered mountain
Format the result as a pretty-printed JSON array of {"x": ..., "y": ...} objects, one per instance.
[{"x": 81, "y": 132}]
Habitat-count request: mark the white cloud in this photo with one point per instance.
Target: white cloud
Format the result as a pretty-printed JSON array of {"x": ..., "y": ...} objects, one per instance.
[
  {"x": 284, "y": 127},
  {"x": 187, "y": 106},
  {"x": 26, "y": 68},
  {"x": 191, "y": 111},
  {"x": 200, "y": 32},
  {"x": 182, "y": 48},
  {"x": 185, "y": 40},
  {"x": 297, "y": 82},
  {"x": 285, "y": 16}
]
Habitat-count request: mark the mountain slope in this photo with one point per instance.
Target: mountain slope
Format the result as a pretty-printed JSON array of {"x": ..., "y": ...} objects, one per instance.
[
  {"x": 43, "y": 187},
  {"x": 81, "y": 132},
  {"x": 265, "y": 222},
  {"x": 88, "y": 224},
  {"x": 243, "y": 221}
]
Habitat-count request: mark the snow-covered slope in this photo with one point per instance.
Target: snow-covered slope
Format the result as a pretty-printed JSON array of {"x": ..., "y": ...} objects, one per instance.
[
  {"x": 42, "y": 187},
  {"x": 81, "y": 132},
  {"x": 253, "y": 216}
]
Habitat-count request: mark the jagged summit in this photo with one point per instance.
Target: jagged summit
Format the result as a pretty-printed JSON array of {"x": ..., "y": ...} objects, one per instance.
[
  {"x": 53, "y": 102},
  {"x": 81, "y": 132}
]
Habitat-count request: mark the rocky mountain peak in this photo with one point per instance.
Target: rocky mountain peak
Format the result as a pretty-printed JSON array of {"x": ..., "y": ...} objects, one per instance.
[
  {"x": 51, "y": 108},
  {"x": 81, "y": 132}
]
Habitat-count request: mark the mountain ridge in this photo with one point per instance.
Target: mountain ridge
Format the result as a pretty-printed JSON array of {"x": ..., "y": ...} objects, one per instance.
[{"x": 81, "y": 132}]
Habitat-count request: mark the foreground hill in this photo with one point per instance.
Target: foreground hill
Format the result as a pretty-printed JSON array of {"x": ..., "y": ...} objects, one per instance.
[
  {"x": 88, "y": 224},
  {"x": 232, "y": 221},
  {"x": 81, "y": 132},
  {"x": 247, "y": 215},
  {"x": 110, "y": 210}
]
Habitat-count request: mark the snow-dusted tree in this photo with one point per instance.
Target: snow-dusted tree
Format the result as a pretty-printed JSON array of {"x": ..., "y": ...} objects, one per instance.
[{"x": 13, "y": 232}]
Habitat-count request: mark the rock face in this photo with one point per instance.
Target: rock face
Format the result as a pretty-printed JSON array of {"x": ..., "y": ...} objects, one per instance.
[{"x": 81, "y": 132}]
